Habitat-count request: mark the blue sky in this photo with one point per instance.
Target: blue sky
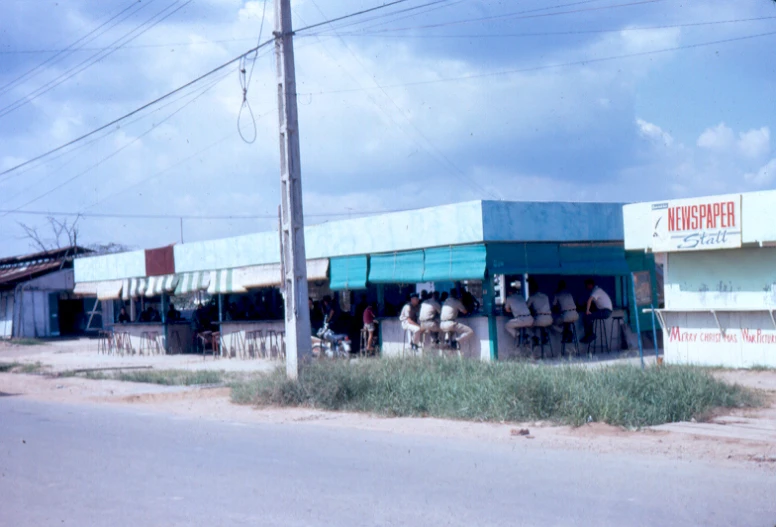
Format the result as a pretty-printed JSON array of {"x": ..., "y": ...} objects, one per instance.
[{"x": 397, "y": 110}]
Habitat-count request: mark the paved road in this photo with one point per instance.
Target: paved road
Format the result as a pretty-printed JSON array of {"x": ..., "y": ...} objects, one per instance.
[{"x": 86, "y": 466}]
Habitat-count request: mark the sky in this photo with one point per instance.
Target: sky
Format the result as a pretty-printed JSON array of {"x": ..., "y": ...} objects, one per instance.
[{"x": 417, "y": 104}]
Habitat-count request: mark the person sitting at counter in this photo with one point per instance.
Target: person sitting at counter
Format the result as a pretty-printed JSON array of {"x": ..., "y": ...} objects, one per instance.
[
  {"x": 565, "y": 309},
  {"x": 451, "y": 308},
  {"x": 599, "y": 307},
  {"x": 539, "y": 304},
  {"x": 430, "y": 311},
  {"x": 123, "y": 317},
  {"x": 153, "y": 314},
  {"x": 173, "y": 315},
  {"x": 521, "y": 315},
  {"x": 409, "y": 319},
  {"x": 331, "y": 314}
]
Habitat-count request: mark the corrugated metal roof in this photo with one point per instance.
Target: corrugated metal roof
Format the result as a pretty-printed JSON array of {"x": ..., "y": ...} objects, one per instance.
[{"x": 17, "y": 269}]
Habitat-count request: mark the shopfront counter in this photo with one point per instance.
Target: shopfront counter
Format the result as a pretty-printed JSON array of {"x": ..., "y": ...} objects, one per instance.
[
  {"x": 153, "y": 338},
  {"x": 239, "y": 338}
]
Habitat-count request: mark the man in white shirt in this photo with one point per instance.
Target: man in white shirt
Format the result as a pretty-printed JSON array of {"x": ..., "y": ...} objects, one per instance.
[
  {"x": 565, "y": 309},
  {"x": 430, "y": 310},
  {"x": 599, "y": 307},
  {"x": 409, "y": 319},
  {"x": 521, "y": 315},
  {"x": 539, "y": 304},
  {"x": 450, "y": 310}
]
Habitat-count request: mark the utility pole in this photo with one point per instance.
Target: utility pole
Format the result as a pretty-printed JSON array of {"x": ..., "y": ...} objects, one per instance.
[{"x": 298, "y": 333}]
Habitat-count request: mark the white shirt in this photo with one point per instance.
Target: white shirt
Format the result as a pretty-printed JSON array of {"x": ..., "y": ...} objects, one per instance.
[
  {"x": 451, "y": 308},
  {"x": 540, "y": 303},
  {"x": 517, "y": 306},
  {"x": 429, "y": 310},
  {"x": 601, "y": 299},
  {"x": 408, "y": 312},
  {"x": 565, "y": 301}
]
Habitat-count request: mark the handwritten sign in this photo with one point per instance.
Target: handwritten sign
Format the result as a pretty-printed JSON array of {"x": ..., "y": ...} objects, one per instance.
[{"x": 697, "y": 224}]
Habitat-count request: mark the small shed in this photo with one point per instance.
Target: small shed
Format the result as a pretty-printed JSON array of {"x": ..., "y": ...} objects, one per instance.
[{"x": 36, "y": 294}]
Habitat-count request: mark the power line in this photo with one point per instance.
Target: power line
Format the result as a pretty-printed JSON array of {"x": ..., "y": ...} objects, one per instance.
[
  {"x": 514, "y": 15},
  {"x": 191, "y": 216},
  {"x": 551, "y": 33},
  {"x": 71, "y": 47},
  {"x": 583, "y": 62},
  {"x": 176, "y": 90},
  {"x": 91, "y": 60},
  {"x": 137, "y": 110}
]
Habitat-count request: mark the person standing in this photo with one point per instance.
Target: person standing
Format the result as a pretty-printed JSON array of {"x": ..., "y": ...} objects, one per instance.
[
  {"x": 409, "y": 319},
  {"x": 521, "y": 315},
  {"x": 599, "y": 307},
  {"x": 449, "y": 318},
  {"x": 565, "y": 308},
  {"x": 369, "y": 319}
]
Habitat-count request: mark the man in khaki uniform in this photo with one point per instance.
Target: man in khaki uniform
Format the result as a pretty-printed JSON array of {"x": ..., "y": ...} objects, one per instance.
[
  {"x": 450, "y": 310},
  {"x": 430, "y": 310},
  {"x": 409, "y": 319},
  {"x": 521, "y": 315}
]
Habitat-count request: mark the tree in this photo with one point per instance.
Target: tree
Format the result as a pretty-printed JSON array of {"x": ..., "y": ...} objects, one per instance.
[{"x": 65, "y": 234}]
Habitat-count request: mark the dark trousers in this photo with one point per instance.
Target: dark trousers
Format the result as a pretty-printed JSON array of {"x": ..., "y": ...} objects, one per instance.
[{"x": 587, "y": 320}]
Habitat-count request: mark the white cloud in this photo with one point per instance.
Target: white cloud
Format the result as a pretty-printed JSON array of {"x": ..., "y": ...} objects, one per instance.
[
  {"x": 755, "y": 143},
  {"x": 764, "y": 176},
  {"x": 719, "y": 137},
  {"x": 654, "y": 133}
]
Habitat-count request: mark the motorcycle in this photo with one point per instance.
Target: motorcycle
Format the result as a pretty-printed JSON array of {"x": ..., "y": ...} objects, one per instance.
[{"x": 331, "y": 345}]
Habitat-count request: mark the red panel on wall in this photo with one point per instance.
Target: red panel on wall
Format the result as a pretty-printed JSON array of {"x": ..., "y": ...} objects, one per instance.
[{"x": 160, "y": 261}]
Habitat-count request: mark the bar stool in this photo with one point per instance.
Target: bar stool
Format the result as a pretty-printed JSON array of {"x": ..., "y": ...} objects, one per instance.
[
  {"x": 451, "y": 343},
  {"x": 571, "y": 328},
  {"x": 363, "y": 342},
  {"x": 275, "y": 343},
  {"x": 176, "y": 347},
  {"x": 543, "y": 335},
  {"x": 123, "y": 343},
  {"x": 149, "y": 342},
  {"x": 617, "y": 321},
  {"x": 521, "y": 338},
  {"x": 103, "y": 342},
  {"x": 600, "y": 343},
  {"x": 254, "y": 343}
]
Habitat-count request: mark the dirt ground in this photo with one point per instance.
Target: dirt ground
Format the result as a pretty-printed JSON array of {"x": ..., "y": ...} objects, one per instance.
[{"x": 737, "y": 437}]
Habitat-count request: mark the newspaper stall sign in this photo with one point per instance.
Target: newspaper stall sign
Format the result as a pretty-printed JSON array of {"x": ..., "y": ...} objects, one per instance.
[{"x": 697, "y": 224}]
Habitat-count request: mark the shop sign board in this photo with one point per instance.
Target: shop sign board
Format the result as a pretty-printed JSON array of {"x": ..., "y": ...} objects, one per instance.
[{"x": 697, "y": 224}]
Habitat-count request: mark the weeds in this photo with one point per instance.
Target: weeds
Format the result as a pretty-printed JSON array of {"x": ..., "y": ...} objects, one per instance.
[
  {"x": 163, "y": 377},
  {"x": 27, "y": 342},
  {"x": 7, "y": 367},
  {"x": 471, "y": 390},
  {"x": 19, "y": 367}
]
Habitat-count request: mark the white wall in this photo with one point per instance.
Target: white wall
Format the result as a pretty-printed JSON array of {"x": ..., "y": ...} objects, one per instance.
[
  {"x": 6, "y": 314},
  {"x": 725, "y": 279},
  {"x": 110, "y": 267}
]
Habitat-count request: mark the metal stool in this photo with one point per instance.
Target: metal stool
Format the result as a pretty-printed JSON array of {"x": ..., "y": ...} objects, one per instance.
[
  {"x": 103, "y": 341},
  {"x": 123, "y": 343},
  {"x": 601, "y": 342},
  {"x": 617, "y": 322},
  {"x": 572, "y": 330},
  {"x": 451, "y": 343},
  {"x": 150, "y": 342},
  {"x": 276, "y": 343},
  {"x": 543, "y": 334},
  {"x": 521, "y": 339},
  {"x": 363, "y": 343},
  {"x": 254, "y": 343}
]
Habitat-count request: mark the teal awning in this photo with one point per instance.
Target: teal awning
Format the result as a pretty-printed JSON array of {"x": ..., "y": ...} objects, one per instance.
[
  {"x": 519, "y": 258},
  {"x": 462, "y": 262},
  {"x": 348, "y": 272},
  {"x": 396, "y": 268},
  {"x": 596, "y": 260}
]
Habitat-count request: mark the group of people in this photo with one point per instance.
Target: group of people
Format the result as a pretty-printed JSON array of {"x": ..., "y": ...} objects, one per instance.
[
  {"x": 538, "y": 313},
  {"x": 432, "y": 313},
  {"x": 150, "y": 314}
]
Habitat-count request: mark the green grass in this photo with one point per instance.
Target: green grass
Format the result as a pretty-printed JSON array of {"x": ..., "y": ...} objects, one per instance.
[
  {"x": 7, "y": 367},
  {"x": 163, "y": 377},
  {"x": 27, "y": 342},
  {"x": 471, "y": 390}
]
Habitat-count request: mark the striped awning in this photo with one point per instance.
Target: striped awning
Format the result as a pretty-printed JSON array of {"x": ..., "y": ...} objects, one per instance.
[
  {"x": 109, "y": 290},
  {"x": 192, "y": 282},
  {"x": 269, "y": 275},
  {"x": 85, "y": 289},
  {"x": 223, "y": 281},
  {"x": 134, "y": 287},
  {"x": 161, "y": 284}
]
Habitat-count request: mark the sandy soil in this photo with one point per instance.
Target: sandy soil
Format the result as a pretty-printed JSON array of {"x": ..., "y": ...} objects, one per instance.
[{"x": 738, "y": 437}]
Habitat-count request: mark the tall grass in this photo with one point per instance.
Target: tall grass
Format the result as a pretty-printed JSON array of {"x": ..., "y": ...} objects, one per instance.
[{"x": 471, "y": 390}]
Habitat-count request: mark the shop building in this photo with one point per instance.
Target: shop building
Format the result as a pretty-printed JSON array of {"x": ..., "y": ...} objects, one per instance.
[
  {"x": 476, "y": 247},
  {"x": 718, "y": 255}
]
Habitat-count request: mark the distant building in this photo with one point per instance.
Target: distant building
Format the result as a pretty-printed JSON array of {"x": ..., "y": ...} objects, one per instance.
[{"x": 36, "y": 295}]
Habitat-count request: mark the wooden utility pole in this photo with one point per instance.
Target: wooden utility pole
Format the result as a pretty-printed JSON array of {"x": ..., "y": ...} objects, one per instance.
[{"x": 298, "y": 333}]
